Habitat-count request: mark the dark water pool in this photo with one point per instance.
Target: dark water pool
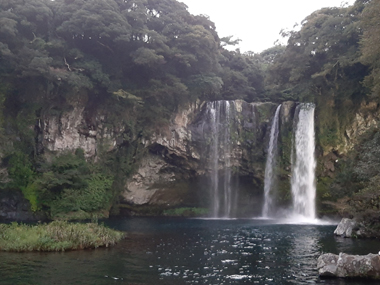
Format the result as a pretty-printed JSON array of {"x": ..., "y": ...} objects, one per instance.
[{"x": 194, "y": 251}]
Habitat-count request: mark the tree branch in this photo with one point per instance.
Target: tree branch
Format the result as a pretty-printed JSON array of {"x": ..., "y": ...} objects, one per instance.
[
  {"x": 68, "y": 66},
  {"x": 105, "y": 46}
]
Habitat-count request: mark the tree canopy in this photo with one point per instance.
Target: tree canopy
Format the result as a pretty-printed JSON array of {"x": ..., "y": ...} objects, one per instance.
[{"x": 155, "y": 50}]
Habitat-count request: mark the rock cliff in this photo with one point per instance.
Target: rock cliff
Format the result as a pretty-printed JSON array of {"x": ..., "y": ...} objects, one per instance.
[
  {"x": 181, "y": 155},
  {"x": 174, "y": 162}
]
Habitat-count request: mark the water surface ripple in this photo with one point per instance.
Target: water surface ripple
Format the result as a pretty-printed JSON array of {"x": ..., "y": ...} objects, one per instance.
[{"x": 191, "y": 251}]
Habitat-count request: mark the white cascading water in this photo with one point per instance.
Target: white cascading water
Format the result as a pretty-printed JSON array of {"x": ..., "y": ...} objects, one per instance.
[
  {"x": 304, "y": 163},
  {"x": 227, "y": 163},
  {"x": 269, "y": 179},
  {"x": 222, "y": 198}
]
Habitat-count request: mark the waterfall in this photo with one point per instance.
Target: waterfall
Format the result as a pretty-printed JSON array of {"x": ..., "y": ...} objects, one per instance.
[
  {"x": 269, "y": 179},
  {"x": 303, "y": 163},
  {"x": 221, "y": 115}
]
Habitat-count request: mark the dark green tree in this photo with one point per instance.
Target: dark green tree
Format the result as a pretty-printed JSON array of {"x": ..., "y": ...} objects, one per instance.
[{"x": 370, "y": 45}]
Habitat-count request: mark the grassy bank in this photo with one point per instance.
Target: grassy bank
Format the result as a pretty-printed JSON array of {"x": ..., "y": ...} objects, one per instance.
[
  {"x": 186, "y": 212},
  {"x": 56, "y": 236}
]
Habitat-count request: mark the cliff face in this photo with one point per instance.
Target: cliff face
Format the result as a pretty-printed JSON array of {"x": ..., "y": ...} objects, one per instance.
[
  {"x": 173, "y": 165},
  {"x": 178, "y": 166},
  {"x": 68, "y": 147},
  {"x": 365, "y": 119},
  {"x": 347, "y": 165},
  {"x": 79, "y": 125}
]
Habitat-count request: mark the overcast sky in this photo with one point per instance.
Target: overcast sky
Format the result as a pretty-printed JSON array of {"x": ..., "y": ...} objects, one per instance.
[{"x": 257, "y": 22}]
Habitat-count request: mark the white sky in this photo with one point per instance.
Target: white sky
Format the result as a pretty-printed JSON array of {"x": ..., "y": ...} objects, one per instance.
[{"x": 257, "y": 22}]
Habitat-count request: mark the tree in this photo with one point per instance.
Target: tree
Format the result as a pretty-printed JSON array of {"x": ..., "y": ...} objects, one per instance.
[
  {"x": 242, "y": 76},
  {"x": 228, "y": 41},
  {"x": 370, "y": 45}
]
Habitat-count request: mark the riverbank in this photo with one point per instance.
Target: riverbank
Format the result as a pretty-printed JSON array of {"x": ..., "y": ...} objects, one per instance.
[{"x": 56, "y": 236}]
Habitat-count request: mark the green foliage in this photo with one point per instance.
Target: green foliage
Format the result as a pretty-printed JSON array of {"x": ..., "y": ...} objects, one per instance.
[
  {"x": 321, "y": 59},
  {"x": 205, "y": 86},
  {"x": 242, "y": 76},
  {"x": 367, "y": 165},
  {"x": 56, "y": 236},
  {"x": 344, "y": 183},
  {"x": 147, "y": 57},
  {"x": 365, "y": 205},
  {"x": 30, "y": 193},
  {"x": 70, "y": 184},
  {"x": 20, "y": 170},
  {"x": 285, "y": 147},
  {"x": 271, "y": 54},
  {"x": 354, "y": 189},
  {"x": 66, "y": 184},
  {"x": 370, "y": 46},
  {"x": 228, "y": 41},
  {"x": 323, "y": 191},
  {"x": 128, "y": 96},
  {"x": 22, "y": 176},
  {"x": 186, "y": 212},
  {"x": 143, "y": 211},
  {"x": 265, "y": 111},
  {"x": 94, "y": 197},
  {"x": 97, "y": 193}
]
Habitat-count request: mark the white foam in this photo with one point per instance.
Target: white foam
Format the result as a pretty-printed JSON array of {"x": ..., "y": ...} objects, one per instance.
[
  {"x": 298, "y": 220},
  {"x": 238, "y": 277}
]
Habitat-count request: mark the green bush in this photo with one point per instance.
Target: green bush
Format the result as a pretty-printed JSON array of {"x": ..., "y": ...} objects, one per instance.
[
  {"x": 71, "y": 184},
  {"x": 22, "y": 177}
]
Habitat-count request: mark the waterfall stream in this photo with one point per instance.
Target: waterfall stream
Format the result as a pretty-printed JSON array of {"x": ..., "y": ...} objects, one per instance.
[
  {"x": 221, "y": 131},
  {"x": 269, "y": 179},
  {"x": 304, "y": 163},
  {"x": 221, "y": 114}
]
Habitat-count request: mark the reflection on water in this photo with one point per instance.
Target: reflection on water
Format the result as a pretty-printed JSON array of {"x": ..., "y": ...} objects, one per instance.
[{"x": 180, "y": 251}]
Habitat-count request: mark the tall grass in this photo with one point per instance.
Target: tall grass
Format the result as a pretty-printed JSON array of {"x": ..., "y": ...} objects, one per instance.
[{"x": 56, "y": 236}]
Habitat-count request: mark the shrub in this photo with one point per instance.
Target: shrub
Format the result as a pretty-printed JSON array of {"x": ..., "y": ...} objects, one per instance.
[{"x": 56, "y": 236}]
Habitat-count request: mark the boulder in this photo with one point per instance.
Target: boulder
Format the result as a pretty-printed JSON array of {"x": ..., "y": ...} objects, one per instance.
[
  {"x": 349, "y": 266},
  {"x": 346, "y": 228}
]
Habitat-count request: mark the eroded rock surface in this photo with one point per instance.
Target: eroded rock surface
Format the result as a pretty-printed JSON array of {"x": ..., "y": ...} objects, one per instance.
[
  {"x": 153, "y": 175},
  {"x": 346, "y": 228},
  {"x": 349, "y": 266},
  {"x": 78, "y": 124},
  {"x": 175, "y": 153},
  {"x": 64, "y": 133},
  {"x": 182, "y": 151}
]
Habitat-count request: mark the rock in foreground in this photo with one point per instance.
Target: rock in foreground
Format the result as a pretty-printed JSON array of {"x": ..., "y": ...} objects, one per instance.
[{"x": 349, "y": 266}]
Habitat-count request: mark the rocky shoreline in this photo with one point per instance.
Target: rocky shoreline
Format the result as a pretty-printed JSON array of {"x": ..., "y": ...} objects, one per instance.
[
  {"x": 349, "y": 266},
  {"x": 344, "y": 265}
]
